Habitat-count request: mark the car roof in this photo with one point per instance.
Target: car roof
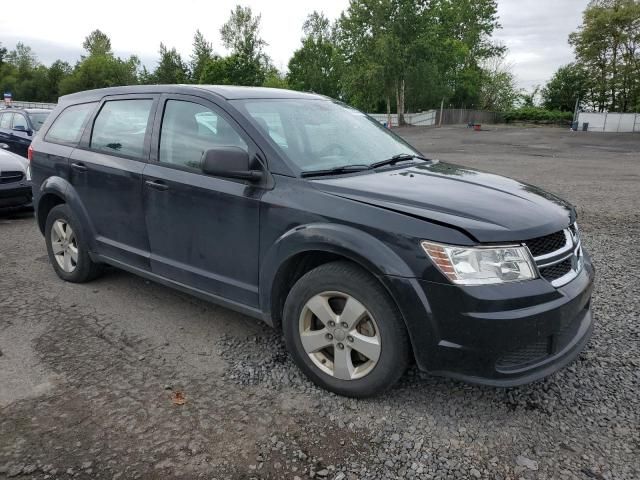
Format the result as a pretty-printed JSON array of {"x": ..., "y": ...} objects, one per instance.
[{"x": 228, "y": 92}]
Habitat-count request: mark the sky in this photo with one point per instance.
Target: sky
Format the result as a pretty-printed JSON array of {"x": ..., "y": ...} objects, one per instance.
[{"x": 535, "y": 31}]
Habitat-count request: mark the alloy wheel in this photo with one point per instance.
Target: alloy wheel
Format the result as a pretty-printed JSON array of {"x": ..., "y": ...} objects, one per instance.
[
  {"x": 340, "y": 336},
  {"x": 64, "y": 245}
]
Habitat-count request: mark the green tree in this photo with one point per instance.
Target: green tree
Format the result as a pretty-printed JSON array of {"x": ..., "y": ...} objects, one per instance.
[
  {"x": 97, "y": 43},
  {"x": 607, "y": 45},
  {"x": 567, "y": 85},
  {"x": 101, "y": 68},
  {"x": 315, "y": 66},
  {"x": 171, "y": 68},
  {"x": 202, "y": 53},
  {"x": 498, "y": 89}
]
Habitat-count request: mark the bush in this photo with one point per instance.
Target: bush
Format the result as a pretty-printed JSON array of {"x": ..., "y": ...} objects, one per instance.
[{"x": 538, "y": 115}]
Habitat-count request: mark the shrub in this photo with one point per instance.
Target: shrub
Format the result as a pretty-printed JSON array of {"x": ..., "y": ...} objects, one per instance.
[{"x": 538, "y": 115}]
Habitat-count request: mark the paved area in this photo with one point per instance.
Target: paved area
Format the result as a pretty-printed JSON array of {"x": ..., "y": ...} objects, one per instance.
[{"x": 123, "y": 378}]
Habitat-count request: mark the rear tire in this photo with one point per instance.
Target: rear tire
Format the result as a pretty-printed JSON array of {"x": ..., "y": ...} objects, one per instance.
[
  {"x": 345, "y": 332},
  {"x": 67, "y": 248}
]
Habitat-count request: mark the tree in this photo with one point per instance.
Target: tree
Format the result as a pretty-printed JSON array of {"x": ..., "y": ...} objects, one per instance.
[
  {"x": 607, "y": 45},
  {"x": 247, "y": 64},
  {"x": 97, "y": 43},
  {"x": 171, "y": 68},
  {"x": 498, "y": 90},
  {"x": 202, "y": 53},
  {"x": 567, "y": 85},
  {"x": 315, "y": 66}
]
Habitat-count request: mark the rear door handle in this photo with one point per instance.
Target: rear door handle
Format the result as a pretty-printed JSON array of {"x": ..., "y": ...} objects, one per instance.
[
  {"x": 157, "y": 185},
  {"x": 80, "y": 167}
]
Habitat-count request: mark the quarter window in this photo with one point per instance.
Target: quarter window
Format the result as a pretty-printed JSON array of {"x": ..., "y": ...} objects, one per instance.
[
  {"x": 5, "y": 120},
  {"x": 189, "y": 129},
  {"x": 121, "y": 126},
  {"x": 67, "y": 128}
]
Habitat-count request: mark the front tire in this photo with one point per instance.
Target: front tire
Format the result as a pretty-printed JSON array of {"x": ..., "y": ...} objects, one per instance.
[
  {"x": 67, "y": 248},
  {"x": 344, "y": 331}
]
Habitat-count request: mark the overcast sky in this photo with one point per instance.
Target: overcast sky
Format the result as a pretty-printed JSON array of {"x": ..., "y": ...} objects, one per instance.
[{"x": 535, "y": 31}]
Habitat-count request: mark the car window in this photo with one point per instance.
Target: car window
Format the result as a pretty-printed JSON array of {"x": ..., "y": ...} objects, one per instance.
[
  {"x": 37, "y": 119},
  {"x": 19, "y": 121},
  {"x": 67, "y": 128},
  {"x": 5, "y": 120},
  {"x": 189, "y": 129},
  {"x": 121, "y": 126}
]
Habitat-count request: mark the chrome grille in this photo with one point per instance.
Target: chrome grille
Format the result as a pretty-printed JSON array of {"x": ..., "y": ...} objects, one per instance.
[
  {"x": 558, "y": 256},
  {"x": 11, "y": 177}
]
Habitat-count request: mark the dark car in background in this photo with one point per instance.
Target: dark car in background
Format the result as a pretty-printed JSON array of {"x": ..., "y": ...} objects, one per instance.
[
  {"x": 15, "y": 181},
  {"x": 300, "y": 211},
  {"x": 18, "y": 126}
]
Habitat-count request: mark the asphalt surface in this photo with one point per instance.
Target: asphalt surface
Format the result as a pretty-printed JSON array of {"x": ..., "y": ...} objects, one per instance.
[{"x": 122, "y": 378}]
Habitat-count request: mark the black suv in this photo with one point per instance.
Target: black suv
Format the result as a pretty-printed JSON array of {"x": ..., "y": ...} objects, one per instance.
[
  {"x": 18, "y": 127},
  {"x": 307, "y": 214}
]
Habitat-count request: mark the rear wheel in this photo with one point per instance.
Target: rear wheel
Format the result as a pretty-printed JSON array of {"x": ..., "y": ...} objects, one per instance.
[
  {"x": 344, "y": 331},
  {"x": 67, "y": 249}
]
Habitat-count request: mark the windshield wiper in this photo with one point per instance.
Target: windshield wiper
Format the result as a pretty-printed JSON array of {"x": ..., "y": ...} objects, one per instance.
[
  {"x": 336, "y": 170},
  {"x": 401, "y": 157}
]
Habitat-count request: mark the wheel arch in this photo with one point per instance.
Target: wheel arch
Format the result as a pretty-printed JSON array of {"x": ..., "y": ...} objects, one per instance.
[{"x": 303, "y": 248}]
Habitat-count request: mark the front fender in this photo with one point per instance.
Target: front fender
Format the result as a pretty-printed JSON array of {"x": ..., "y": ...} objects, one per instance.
[
  {"x": 61, "y": 188},
  {"x": 343, "y": 240}
]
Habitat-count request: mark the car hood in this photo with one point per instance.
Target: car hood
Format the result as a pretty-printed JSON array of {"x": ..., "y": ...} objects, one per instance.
[
  {"x": 11, "y": 162},
  {"x": 489, "y": 208}
]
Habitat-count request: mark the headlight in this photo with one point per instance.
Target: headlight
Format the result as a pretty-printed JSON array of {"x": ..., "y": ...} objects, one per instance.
[{"x": 483, "y": 265}]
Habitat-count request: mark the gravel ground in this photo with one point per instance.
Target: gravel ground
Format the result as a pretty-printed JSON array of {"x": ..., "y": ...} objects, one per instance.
[{"x": 122, "y": 378}]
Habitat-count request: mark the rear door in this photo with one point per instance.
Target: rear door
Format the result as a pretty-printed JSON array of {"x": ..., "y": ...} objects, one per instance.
[
  {"x": 203, "y": 230},
  {"x": 106, "y": 172},
  {"x": 21, "y": 134}
]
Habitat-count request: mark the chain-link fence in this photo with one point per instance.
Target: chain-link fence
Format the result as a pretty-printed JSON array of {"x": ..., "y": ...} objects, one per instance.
[{"x": 609, "y": 122}]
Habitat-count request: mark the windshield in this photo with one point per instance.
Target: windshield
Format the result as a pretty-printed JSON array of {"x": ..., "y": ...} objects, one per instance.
[
  {"x": 322, "y": 134},
  {"x": 37, "y": 119}
]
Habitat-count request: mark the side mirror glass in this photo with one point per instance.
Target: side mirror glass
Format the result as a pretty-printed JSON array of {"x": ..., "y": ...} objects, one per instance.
[{"x": 229, "y": 162}]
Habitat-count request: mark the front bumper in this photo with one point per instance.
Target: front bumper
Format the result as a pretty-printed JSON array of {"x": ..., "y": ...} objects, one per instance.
[
  {"x": 16, "y": 195},
  {"x": 504, "y": 335}
]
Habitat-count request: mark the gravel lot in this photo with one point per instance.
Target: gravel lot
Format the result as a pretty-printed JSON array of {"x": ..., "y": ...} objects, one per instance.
[{"x": 122, "y": 378}]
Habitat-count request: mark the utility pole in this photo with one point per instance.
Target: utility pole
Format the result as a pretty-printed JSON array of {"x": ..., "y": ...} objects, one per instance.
[
  {"x": 575, "y": 111},
  {"x": 441, "y": 109}
]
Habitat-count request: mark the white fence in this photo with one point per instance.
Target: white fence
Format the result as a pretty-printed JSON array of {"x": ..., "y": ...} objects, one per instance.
[
  {"x": 610, "y": 122},
  {"x": 423, "y": 119}
]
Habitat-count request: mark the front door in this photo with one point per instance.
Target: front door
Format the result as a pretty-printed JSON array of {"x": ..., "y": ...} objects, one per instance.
[
  {"x": 106, "y": 173},
  {"x": 203, "y": 230}
]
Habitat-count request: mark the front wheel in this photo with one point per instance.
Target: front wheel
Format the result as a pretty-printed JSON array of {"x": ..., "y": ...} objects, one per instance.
[{"x": 344, "y": 331}]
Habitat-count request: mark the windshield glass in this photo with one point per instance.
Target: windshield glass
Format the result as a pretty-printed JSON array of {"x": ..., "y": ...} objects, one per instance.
[
  {"x": 322, "y": 134},
  {"x": 37, "y": 119}
]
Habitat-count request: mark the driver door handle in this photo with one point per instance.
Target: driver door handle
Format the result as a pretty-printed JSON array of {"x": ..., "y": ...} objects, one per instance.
[
  {"x": 80, "y": 167},
  {"x": 157, "y": 185}
]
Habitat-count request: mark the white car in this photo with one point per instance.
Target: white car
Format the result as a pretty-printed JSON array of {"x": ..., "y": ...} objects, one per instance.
[{"x": 15, "y": 181}]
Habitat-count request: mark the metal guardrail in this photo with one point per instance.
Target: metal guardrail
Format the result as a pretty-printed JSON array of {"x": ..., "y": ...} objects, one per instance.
[{"x": 14, "y": 104}]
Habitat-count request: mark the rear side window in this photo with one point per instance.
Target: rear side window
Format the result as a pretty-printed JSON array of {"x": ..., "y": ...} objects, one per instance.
[
  {"x": 19, "y": 121},
  {"x": 121, "y": 126},
  {"x": 67, "y": 128},
  {"x": 5, "y": 120}
]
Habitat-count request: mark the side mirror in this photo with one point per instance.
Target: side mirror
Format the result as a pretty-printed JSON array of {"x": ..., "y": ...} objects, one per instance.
[{"x": 229, "y": 162}]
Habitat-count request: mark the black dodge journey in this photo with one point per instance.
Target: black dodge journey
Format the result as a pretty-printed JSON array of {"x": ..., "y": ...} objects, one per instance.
[{"x": 307, "y": 214}]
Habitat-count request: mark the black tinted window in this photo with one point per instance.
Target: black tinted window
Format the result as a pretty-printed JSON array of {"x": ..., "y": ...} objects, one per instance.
[
  {"x": 121, "y": 126},
  {"x": 67, "y": 128},
  {"x": 189, "y": 129},
  {"x": 37, "y": 119}
]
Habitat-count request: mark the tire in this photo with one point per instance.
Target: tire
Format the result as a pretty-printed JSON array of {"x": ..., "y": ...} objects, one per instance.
[
  {"x": 74, "y": 263},
  {"x": 340, "y": 367}
]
